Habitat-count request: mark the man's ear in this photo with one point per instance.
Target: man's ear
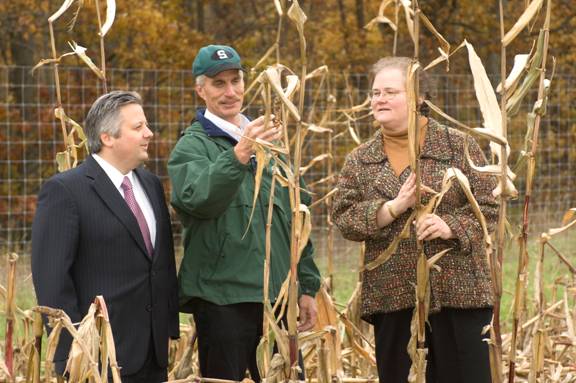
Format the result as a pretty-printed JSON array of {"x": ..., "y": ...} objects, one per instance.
[
  {"x": 106, "y": 139},
  {"x": 200, "y": 92}
]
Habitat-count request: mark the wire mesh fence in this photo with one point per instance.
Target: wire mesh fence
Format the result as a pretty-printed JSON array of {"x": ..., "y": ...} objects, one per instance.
[{"x": 30, "y": 136}]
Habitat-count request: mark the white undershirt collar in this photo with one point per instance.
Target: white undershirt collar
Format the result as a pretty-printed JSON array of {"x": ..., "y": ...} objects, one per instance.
[{"x": 228, "y": 127}]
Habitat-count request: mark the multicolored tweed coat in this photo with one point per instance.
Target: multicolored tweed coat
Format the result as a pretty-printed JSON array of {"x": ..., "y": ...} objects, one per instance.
[{"x": 367, "y": 181}]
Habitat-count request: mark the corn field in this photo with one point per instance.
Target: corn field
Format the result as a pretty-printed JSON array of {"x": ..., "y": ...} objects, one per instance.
[{"x": 539, "y": 347}]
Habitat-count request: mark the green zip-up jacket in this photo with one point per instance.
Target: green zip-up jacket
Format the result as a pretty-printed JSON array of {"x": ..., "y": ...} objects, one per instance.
[{"x": 212, "y": 192}]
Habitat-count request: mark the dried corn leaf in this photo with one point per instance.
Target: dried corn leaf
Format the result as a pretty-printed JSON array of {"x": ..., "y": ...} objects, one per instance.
[
  {"x": 314, "y": 161},
  {"x": 522, "y": 22},
  {"x": 63, "y": 161},
  {"x": 411, "y": 100},
  {"x": 84, "y": 349},
  {"x": 322, "y": 180},
  {"x": 568, "y": 216},
  {"x": 320, "y": 71},
  {"x": 444, "y": 56},
  {"x": 514, "y": 101},
  {"x": 354, "y": 135},
  {"x": 280, "y": 336},
  {"x": 380, "y": 18},
  {"x": 386, "y": 254},
  {"x": 306, "y": 229},
  {"x": 80, "y": 51},
  {"x": 262, "y": 161},
  {"x": 465, "y": 185},
  {"x": 356, "y": 108},
  {"x": 273, "y": 77},
  {"x": 555, "y": 231},
  {"x": 486, "y": 98},
  {"x": 61, "y": 115},
  {"x": 270, "y": 146},
  {"x": 569, "y": 319},
  {"x": 297, "y": 15},
  {"x": 110, "y": 15},
  {"x": 262, "y": 60},
  {"x": 63, "y": 8},
  {"x": 408, "y": 13},
  {"x": 436, "y": 257},
  {"x": 324, "y": 198},
  {"x": 444, "y": 45},
  {"x": 265, "y": 347},
  {"x": 278, "y": 6},
  {"x": 494, "y": 170},
  {"x": 538, "y": 354},
  {"x": 328, "y": 317},
  {"x": 520, "y": 65},
  {"x": 318, "y": 129},
  {"x": 108, "y": 339},
  {"x": 50, "y": 61},
  {"x": 478, "y": 132}
]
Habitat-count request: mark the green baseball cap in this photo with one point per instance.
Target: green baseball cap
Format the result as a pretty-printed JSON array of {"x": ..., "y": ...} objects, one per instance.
[{"x": 213, "y": 59}]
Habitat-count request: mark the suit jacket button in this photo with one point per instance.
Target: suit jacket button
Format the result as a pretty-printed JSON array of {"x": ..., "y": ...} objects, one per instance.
[{"x": 148, "y": 308}]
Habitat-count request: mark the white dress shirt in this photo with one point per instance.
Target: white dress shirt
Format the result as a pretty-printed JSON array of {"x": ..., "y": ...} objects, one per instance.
[
  {"x": 230, "y": 128},
  {"x": 117, "y": 177}
]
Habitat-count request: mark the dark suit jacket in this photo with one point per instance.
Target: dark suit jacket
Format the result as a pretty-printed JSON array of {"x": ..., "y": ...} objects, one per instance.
[{"x": 86, "y": 242}]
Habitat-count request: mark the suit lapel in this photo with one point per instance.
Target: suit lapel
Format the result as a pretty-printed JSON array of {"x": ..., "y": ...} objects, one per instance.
[{"x": 108, "y": 193}]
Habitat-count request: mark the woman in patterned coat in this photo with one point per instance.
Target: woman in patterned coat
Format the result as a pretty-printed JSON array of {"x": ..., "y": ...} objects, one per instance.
[{"x": 375, "y": 198}]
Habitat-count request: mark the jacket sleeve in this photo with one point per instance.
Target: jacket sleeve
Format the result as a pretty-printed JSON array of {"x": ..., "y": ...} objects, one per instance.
[
  {"x": 308, "y": 273},
  {"x": 174, "y": 317},
  {"x": 354, "y": 216},
  {"x": 201, "y": 187},
  {"x": 55, "y": 237},
  {"x": 462, "y": 221}
]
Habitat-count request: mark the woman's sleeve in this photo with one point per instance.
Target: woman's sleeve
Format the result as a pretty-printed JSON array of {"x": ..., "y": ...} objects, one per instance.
[
  {"x": 462, "y": 221},
  {"x": 354, "y": 216}
]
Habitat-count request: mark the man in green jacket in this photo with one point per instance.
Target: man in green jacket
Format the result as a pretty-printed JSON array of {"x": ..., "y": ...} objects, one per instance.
[{"x": 221, "y": 276}]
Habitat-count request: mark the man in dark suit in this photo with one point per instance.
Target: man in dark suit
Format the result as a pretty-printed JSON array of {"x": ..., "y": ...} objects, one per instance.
[{"x": 103, "y": 228}]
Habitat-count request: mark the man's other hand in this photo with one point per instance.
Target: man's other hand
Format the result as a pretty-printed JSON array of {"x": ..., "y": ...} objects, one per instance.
[{"x": 308, "y": 312}]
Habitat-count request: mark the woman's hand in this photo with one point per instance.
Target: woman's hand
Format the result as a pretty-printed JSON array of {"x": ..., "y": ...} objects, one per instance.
[
  {"x": 406, "y": 197},
  {"x": 431, "y": 226}
]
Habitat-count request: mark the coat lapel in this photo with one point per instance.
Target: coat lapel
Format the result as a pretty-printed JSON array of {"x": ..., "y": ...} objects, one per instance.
[
  {"x": 108, "y": 193},
  {"x": 388, "y": 183}
]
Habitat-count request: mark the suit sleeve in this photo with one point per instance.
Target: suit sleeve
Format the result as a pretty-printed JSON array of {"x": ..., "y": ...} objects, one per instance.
[
  {"x": 201, "y": 187},
  {"x": 54, "y": 247},
  {"x": 174, "y": 319}
]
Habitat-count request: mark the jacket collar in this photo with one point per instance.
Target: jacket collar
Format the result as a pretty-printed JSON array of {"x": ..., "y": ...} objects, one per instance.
[
  {"x": 437, "y": 145},
  {"x": 210, "y": 128}
]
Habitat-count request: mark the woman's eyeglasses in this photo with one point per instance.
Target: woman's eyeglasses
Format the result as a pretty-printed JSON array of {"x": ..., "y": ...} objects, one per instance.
[{"x": 386, "y": 94}]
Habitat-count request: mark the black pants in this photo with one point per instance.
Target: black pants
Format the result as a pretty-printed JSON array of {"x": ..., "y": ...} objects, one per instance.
[
  {"x": 150, "y": 372},
  {"x": 456, "y": 351},
  {"x": 228, "y": 336}
]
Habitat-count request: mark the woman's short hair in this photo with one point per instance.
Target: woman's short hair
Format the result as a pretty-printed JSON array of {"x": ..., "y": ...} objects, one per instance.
[{"x": 402, "y": 64}]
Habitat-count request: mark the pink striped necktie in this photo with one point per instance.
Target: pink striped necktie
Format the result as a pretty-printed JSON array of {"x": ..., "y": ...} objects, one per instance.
[{"x": 133, "y": 205}]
